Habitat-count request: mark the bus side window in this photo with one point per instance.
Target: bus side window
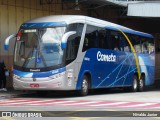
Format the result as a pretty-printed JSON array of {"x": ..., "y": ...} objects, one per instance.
[
  {"x": 73, "y": 42},
  {"x": 101, "y": 35},
  {"x": 145, "y": 46},
  {"x": 114, "y": 38},
  {"x": 123, "y": 43},
  {"x": 91, "y": 39},
  {"x": 136, "y": 42},
  {"x": 72, "y": 48},
  {"x": 151, "y": 46},
  {"x": 116, "y": 42},
  {"x": 108, "y": 40}
]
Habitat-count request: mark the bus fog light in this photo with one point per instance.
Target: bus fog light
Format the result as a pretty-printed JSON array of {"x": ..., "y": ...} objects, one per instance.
[{"x": 16, "y": 77}]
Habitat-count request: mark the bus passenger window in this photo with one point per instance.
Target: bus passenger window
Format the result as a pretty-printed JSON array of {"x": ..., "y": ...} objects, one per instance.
[
  {"x": 108, "y": 40},
  {"x": 151, "y": 46},
  {"x": 116, "y": 43},
  {"x": 123, "y": 44},
  {"x": 145, "y": 44},
  {"x": 136, "y": 42},
  {"x": 102, "y": 42},
  {"x": 119, "y": 43}
]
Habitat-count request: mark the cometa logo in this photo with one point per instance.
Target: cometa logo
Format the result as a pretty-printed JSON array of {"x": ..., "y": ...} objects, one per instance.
[{"x": 106, "y": 58}]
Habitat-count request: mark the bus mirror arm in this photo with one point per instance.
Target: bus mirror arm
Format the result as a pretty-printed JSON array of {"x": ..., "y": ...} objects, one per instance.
[
  {"x": 65, "y": 38},
  {"x": 6, "y": 44}
]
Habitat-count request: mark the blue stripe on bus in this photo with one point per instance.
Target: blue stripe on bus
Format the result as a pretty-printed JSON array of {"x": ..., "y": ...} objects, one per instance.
[
  {"x": 130, "y": 31},
  {"x": 44, "y": 24},
  {"x": 38, "y": 74}
]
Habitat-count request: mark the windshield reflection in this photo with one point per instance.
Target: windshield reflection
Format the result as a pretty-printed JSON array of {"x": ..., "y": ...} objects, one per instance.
[{"x": 39, "y": 48}]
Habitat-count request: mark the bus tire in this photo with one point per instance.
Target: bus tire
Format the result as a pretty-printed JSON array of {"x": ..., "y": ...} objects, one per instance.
[
  {"x": 141, "y": 84},
  {"x": 134, "y": 86},
  {"x": 85, "y": 86}
]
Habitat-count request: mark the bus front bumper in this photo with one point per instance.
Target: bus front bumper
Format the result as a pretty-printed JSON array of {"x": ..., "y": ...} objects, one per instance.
[{"x": 39, "y": 83}]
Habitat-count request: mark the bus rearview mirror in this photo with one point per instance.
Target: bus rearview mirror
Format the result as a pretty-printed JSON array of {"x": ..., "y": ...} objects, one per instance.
[
  {"x": 6, "y": 44},
  {"x": 65, "y": 38}
]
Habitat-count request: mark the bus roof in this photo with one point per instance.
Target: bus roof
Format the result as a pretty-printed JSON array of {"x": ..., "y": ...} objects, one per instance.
[{"x": 61, "y": 20}]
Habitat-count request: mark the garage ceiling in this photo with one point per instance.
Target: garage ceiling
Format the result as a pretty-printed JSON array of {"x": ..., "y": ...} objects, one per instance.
[{"x": 89, "y": 4}]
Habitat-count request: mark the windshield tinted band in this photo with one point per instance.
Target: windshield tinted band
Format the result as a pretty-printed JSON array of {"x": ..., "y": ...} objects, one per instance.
[{"x": 44, "y": 24}]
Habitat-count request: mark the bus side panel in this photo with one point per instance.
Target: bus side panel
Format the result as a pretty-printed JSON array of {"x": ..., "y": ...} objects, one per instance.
[
  {"x": 147, "y": 65},
  {"x": 85, "y": 65},
  {"x": 71, "y": 73},
  {"x": 108, "y": 68},
  {"x": 125, "y": 69},
  {"x": 118, "y": 73}
]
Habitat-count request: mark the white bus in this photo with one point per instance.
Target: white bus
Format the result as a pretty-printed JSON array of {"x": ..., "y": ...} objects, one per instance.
[{"x": 70, "y": 52}]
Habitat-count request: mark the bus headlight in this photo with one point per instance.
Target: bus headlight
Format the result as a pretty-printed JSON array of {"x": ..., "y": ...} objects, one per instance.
[
  {"x": 16, "y": 77},
  {"x": 58, "y": 75}
]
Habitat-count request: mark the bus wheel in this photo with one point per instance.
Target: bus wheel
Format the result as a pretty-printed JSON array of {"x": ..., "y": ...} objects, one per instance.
[
  {"x": 141, "y": 84},
  {"x": 134, "y": 86},
  {"x": 85, "y": 86}
]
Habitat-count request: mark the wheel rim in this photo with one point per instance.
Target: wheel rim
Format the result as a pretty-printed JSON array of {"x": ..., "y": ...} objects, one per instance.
[
  {"x": 141, "y": 83},
  {"x": 85, "y": 86},
  {"x": 135, "y": 84}
]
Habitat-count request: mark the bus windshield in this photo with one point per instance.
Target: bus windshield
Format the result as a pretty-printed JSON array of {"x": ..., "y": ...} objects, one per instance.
[{"x": 39, "y": 48}]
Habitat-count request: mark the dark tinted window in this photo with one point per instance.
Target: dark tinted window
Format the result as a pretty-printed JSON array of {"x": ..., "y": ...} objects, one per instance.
[
  {"x": 119, "y": 42},
  {"x": 142, "y": 44},
  {"x": 73, "y": 42},
  {"x": 97, "y": 37},
  {"x": 91, "y": 39}
]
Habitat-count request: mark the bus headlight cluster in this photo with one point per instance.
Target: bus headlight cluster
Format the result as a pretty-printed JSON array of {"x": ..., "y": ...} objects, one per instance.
[
  {"x": 16, "y": 76},
  {"x": 58, "y": 75}
]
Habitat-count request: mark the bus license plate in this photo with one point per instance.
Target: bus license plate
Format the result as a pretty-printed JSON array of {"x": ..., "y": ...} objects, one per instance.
[{"x": 34, "y": 85}]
